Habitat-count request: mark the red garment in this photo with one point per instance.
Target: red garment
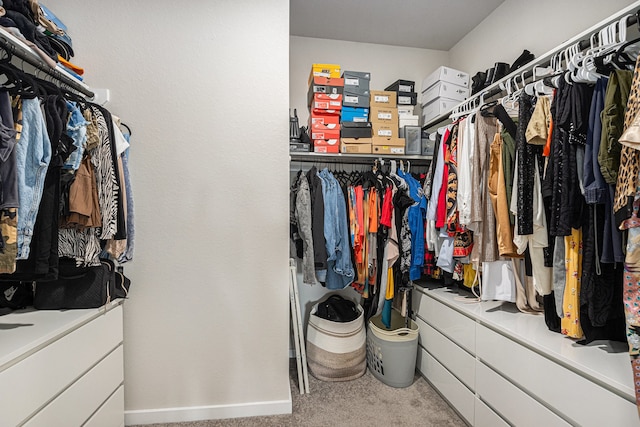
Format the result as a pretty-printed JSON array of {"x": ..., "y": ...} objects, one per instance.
[
  {"x": 441, "y": 212},
  {"x": 387, "y": 207}
]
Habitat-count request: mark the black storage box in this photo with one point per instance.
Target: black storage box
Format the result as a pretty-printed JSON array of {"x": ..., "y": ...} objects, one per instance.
[
  {"x": 402, "y": 86},
  {"x": 356, "y": 130}
]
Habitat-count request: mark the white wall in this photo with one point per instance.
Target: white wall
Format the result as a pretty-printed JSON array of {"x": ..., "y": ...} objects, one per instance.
[
  {"x": 386, "y": 64},
  {"x": 537, "y": 25},
  {"x": 206, "y": 324}
]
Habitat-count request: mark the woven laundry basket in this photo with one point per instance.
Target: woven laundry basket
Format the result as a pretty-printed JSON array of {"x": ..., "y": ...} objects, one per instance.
[{"x": 336, "y": 351}]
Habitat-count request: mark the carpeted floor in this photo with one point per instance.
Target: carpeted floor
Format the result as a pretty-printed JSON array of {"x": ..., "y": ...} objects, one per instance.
[{"x": 365, "y": 402}]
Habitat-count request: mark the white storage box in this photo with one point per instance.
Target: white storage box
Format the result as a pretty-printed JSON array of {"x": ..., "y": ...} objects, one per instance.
[
  {"x": 445, "y": 90},
  {"x": 437, "y": 107},
  {"x": 409, "y": 121},
  {"x": 405, "y": 110},
  {"x": 446, "y": 74}
]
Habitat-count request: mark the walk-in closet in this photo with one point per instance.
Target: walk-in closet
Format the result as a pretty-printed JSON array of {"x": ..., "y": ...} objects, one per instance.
[{"x": 219, "y": 316}]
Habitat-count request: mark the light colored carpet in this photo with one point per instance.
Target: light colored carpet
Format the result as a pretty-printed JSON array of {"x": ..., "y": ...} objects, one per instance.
[{"x": 365, "y": 402}]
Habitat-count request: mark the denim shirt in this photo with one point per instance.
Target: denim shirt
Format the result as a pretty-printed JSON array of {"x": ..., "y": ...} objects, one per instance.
[
  {"x": 77, "y": 130},
  {"x": 417, "y": 214},
  {"x": 340, "y": 271},
  {"x": 33, "y": 154}
]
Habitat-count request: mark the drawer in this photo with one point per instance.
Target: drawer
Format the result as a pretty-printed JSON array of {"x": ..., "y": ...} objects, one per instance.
[
  {"x": 56, "y": 366},
  {"x": 111, "y": 414},
  {"x": 460, "y": 397},
  {"x": 76, "y": 404},
  {"x": 578, "y": 398},
  {"x": 454, "y": 358},
  {"x": 512, "y": 403},
  {"x": 452, "y": 324},
  {"x": 485, "y": 417}
]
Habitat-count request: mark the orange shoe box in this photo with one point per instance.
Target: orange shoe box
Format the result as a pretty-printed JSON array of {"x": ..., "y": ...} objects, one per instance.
[
  {"x": 326, "y": 145},
  {"x": 324, "y": 70},
  {"x": 324, "y": 116},
  {"x": 324, "y": 101},
  {"x": 325, "y": 131}
]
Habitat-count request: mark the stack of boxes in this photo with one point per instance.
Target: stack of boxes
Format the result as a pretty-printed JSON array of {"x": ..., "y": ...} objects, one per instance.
[
  {"x": 408, "y": 123},
  {"x": 385, "y": 123},
  {"x": 325, "y": 103},
  {"x": 355, "y": 133},
  {"x": 441, "y": 91}
]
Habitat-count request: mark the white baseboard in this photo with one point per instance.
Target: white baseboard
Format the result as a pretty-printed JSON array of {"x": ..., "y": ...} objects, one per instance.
[{"x": 213, "y": 412}]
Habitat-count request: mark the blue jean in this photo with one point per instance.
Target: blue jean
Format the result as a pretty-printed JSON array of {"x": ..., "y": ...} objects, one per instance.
[
  {"x": 77, "y": 130},
  {"x": 340, "y": 271},
  {"x": 33, "y": 154}
]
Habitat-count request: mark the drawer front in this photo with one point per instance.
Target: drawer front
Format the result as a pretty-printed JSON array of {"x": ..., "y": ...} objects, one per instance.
[
  {"x": 111, "y": 414},
  {"x": 455, "y": 326},
  {"x": 460, "y": 397},
  {"x": 485, "y": 417},
  {"x": 56, "y": 366},
  {"x": 454, "y": 358},
  {"x": 76, "y": 404},
  {"x": 512, "y": 403},
  {"x": 578, "y": 398}
]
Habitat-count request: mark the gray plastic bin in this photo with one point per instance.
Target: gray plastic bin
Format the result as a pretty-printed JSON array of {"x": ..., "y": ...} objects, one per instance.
[{"x": 391, "y": 353}]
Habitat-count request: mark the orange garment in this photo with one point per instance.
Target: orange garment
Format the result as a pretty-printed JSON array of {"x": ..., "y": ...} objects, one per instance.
[
  {"x": 79, "y": 71},
  {"x": 373, "y": 211}
]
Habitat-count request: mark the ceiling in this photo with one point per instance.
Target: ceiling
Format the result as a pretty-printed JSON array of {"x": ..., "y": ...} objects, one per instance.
[{"x": 427, "y": 24}]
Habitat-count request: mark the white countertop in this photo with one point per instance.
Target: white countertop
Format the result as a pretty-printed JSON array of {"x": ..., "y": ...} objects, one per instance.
[
  {"x": 23, "y": 332},
  {"x": 606, "y": 362}
]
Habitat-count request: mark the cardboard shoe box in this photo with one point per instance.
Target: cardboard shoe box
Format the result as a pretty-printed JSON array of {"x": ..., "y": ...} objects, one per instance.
[
  {"x": 353, "y": 114},
  {"x": 446, "y": 74},
  {"x": 356, "y": 148},
  {"x": 381, "y": 98},
  {"x": 383, "y": 130},
  {"x": 384, "y": 115},
  {"x": 388, "y": 146},
  {"x": 356, "y": 130},
  {"x": 324, "y": 70},
  {"x": 325, "y": 131},
  {"x": 324, "y": 85},
  {"x": 325, "y": 101},
  {"x": 402, "y": 86}
]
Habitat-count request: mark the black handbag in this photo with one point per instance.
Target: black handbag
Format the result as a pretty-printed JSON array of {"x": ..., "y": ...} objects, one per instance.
[
  {"x": 337, "y": 309},
  {"x": 79, "y": 287}
]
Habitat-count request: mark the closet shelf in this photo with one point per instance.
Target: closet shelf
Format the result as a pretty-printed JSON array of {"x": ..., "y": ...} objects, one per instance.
[
  {"x": 355, "y": 158},
  {"x": 18, "y": 48},
  {"x": 526, "y": 71}
]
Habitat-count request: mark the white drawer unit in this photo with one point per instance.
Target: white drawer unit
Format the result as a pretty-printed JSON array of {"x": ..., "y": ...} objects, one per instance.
[
  {"x": 457, "y": 327},
  {"x": 110, "y": 413},
  {"x": 485, "y": 417},
  {"x": 460, "y": 397},
  {"x": 59, "y": 367},
  {"x": 454, "y": 358},
  {"x": 518, "y": 372},
  {"x": 514, "y": 404}
]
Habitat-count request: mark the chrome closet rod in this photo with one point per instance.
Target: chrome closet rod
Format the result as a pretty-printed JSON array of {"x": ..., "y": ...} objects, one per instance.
[{"x": 544, "y": 60}]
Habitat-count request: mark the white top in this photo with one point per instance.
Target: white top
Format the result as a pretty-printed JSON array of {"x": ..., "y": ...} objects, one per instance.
[{"x": 24, "y": 332}]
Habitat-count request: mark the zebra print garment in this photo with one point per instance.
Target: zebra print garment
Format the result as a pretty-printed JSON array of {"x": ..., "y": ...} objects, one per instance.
[
  {"x": 106, "y": 179},
  {"x": 83, "y": 245}
]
